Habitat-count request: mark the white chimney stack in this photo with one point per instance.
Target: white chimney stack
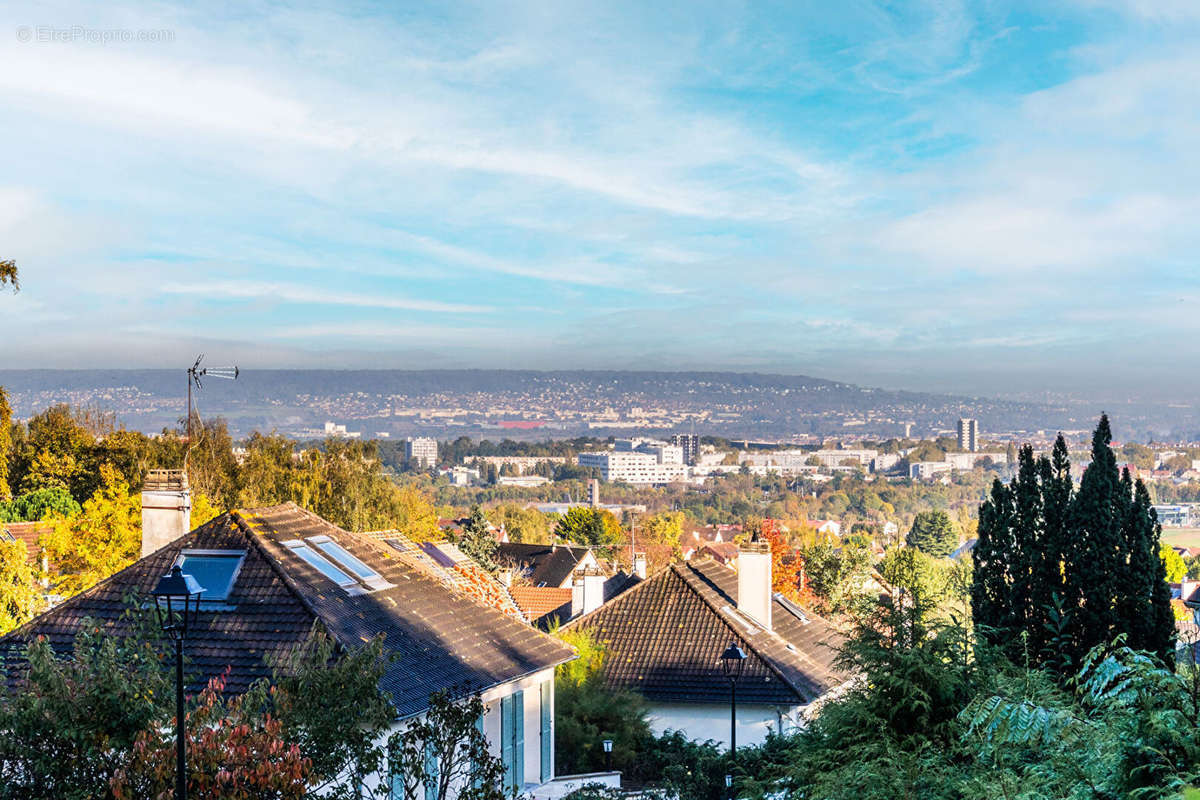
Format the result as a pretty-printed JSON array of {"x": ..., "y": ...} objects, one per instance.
[
  {"x": 587, "y": 592},
  {"x": 639, "y": 565},
  {"x": 754, "y": 581},
  {"x": 166, "y": 509}
]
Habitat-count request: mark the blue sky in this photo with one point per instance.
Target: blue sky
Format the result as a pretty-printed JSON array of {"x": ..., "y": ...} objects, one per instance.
[{"x": 980, "y": 197}]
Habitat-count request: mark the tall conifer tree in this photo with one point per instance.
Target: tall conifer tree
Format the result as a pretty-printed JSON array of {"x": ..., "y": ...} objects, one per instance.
[
  {"x": 991, "y": 601},
  {"x": 1093, "y": 566}
]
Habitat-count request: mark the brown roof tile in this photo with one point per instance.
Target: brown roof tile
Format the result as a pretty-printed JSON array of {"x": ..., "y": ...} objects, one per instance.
[
  {"x": 443, "y": 639},
  {"x": 664, "y": 636}
]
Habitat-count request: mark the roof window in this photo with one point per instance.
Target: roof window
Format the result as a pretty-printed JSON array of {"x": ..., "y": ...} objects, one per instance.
[
  {"x": 215, "y": 570},
  {"x": 348, "y": 561},
  {"x": 321, "y": 564}
]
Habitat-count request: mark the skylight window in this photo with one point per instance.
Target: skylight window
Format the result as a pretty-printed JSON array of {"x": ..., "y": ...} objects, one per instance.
[
  {"x": 215, "y": 570},
  {"x": 344, "y": 557},
  {"x": 321, "y": 564}
]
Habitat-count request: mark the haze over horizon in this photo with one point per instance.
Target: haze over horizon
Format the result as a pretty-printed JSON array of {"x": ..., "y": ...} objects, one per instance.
[{"x": 987, "y": 200}]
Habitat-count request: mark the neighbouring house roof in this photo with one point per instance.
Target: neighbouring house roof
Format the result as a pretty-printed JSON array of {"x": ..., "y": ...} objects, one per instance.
[
  {"x": 443, "y": 638},
  {"x": 664, "y": 637},
  {"x": 543, "y": 564},
  {"x": 965, "y": 549},
  {"x": 724, "y": 552},
  {"x": 27, "y": 532},
  {"x": 538, "y": 601}
]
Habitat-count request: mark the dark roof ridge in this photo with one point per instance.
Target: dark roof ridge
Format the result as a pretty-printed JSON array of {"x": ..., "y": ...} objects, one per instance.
[{"x": 766, "y": 659}]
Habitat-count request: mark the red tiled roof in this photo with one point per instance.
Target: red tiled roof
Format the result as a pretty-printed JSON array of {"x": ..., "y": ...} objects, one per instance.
[
  {"x": 537, "y": 601},
  {"x": 27, "y": 532}
]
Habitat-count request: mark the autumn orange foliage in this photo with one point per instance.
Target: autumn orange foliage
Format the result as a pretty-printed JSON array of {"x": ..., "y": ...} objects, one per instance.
[
  {"x": 232, "y": 754},
  {"x": 787, "y": 566}
]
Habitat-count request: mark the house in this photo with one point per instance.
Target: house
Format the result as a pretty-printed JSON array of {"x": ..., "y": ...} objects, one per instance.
[
  {"x": 722, "y": 552},
  {"x": 272, "y": 574},
  {"x": 664, "y": 638},
  {"x": 830, "y": 527},
  {"x": 549, "y": 606},
  {"x": 546, "y": 564}
]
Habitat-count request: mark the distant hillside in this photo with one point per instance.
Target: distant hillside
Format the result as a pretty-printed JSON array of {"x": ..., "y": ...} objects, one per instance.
[{"x": 545, "y": 403}]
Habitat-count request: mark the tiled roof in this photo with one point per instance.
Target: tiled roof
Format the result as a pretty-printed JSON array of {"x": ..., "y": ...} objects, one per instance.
[
  {"x": 664, "y": 637},
  {"x": 443, "y": 638},
  {"x": 543, "y": 564},
  {"x": 27, "y": 532},
  {"x": 537, "y": 601}
]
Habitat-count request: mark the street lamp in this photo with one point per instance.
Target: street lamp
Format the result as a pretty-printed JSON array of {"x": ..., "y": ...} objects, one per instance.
[
  {"x": 729, "y": 786},
  {"x": 608, "y": 755},
  {"x": 177, "y": 600},
  {"x": 733, "y": 661}
]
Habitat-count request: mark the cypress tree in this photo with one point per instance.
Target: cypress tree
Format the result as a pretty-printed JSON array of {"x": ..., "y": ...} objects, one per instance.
[
  {"x": 1093, "y": 566},
  {"x": 991, "y": 602},
  {"x": 1027, "y": 534},
  {"x": 1048, "y": 583},
  {"x": 1154, "y": 627}
]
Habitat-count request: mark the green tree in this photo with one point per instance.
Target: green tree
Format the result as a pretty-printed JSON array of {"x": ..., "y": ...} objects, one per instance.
[
  {"x": 478, "y": 541},
  {"x": 444, "y": 754},
  {"x": 933, "y": 533},
  {"x": 38, "y": 505},
  {"x": 589, "y": 526},
  {"x": 587, "y": 712},
  {"x": 75, "y": 718}
]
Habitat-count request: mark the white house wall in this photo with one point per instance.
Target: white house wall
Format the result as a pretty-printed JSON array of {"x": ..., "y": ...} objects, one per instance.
[{"x": 703, "y": 721}]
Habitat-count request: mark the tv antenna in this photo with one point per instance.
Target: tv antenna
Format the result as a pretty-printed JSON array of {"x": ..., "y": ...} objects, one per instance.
[{"x": 195, "y": 372}]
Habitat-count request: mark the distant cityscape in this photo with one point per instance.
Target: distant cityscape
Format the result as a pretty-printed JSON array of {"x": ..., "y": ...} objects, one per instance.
[{"x": 527, "y": 405}]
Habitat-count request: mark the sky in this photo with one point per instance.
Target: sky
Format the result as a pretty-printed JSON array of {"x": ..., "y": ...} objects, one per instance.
[{"x": 990, "y": 198}]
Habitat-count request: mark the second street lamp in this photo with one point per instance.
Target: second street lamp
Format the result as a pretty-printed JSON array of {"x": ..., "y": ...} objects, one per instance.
[
  {"x": 177, "y": 601},
  {"x": 608, "y": 755},
  {"x": 733, "y": 661}
]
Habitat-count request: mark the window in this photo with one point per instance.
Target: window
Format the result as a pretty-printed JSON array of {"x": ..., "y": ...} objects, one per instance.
[
  {"x": 322, "y": 565},
  {"x": 215, "y": 570},
  {"x": 347, "y": 560}
]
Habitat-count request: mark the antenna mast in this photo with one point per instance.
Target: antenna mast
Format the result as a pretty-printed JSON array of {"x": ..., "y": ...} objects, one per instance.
[{"x": 194, "y": 373}]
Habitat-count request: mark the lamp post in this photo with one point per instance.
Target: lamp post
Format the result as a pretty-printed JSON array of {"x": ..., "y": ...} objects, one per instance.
[
  {"x": 608, "y": 755},
  {"x": 177, "y": 600},
  {"x": 733, "y": 661},
  {"x": 729, "y": 787}
]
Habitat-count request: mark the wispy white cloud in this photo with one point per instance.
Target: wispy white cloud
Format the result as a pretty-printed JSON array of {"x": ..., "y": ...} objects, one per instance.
[{"x": 291, "y": 293}]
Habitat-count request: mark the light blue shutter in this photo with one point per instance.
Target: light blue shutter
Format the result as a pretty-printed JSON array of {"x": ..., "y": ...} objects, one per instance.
[
  {"x": 547, "y": 731},
  {"x": 432, "y": 772},
  {"x": 506, "y": 744},
  {"x": 476, "y": 780},
  {"x": 395, "y": 776},
  {"x": 518, "y": 741}
]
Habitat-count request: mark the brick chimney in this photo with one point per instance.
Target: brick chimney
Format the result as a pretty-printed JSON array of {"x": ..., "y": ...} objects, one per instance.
[
  {"x": 166, "y": 509},
  {"x": 754, "y": 581}
]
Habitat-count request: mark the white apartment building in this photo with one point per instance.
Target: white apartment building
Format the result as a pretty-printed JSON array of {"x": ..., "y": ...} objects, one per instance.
[
  {"x": 421, "y": 451},
  {"x": 638, "y": 461},
  {"x": 924, "y": 470}
]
